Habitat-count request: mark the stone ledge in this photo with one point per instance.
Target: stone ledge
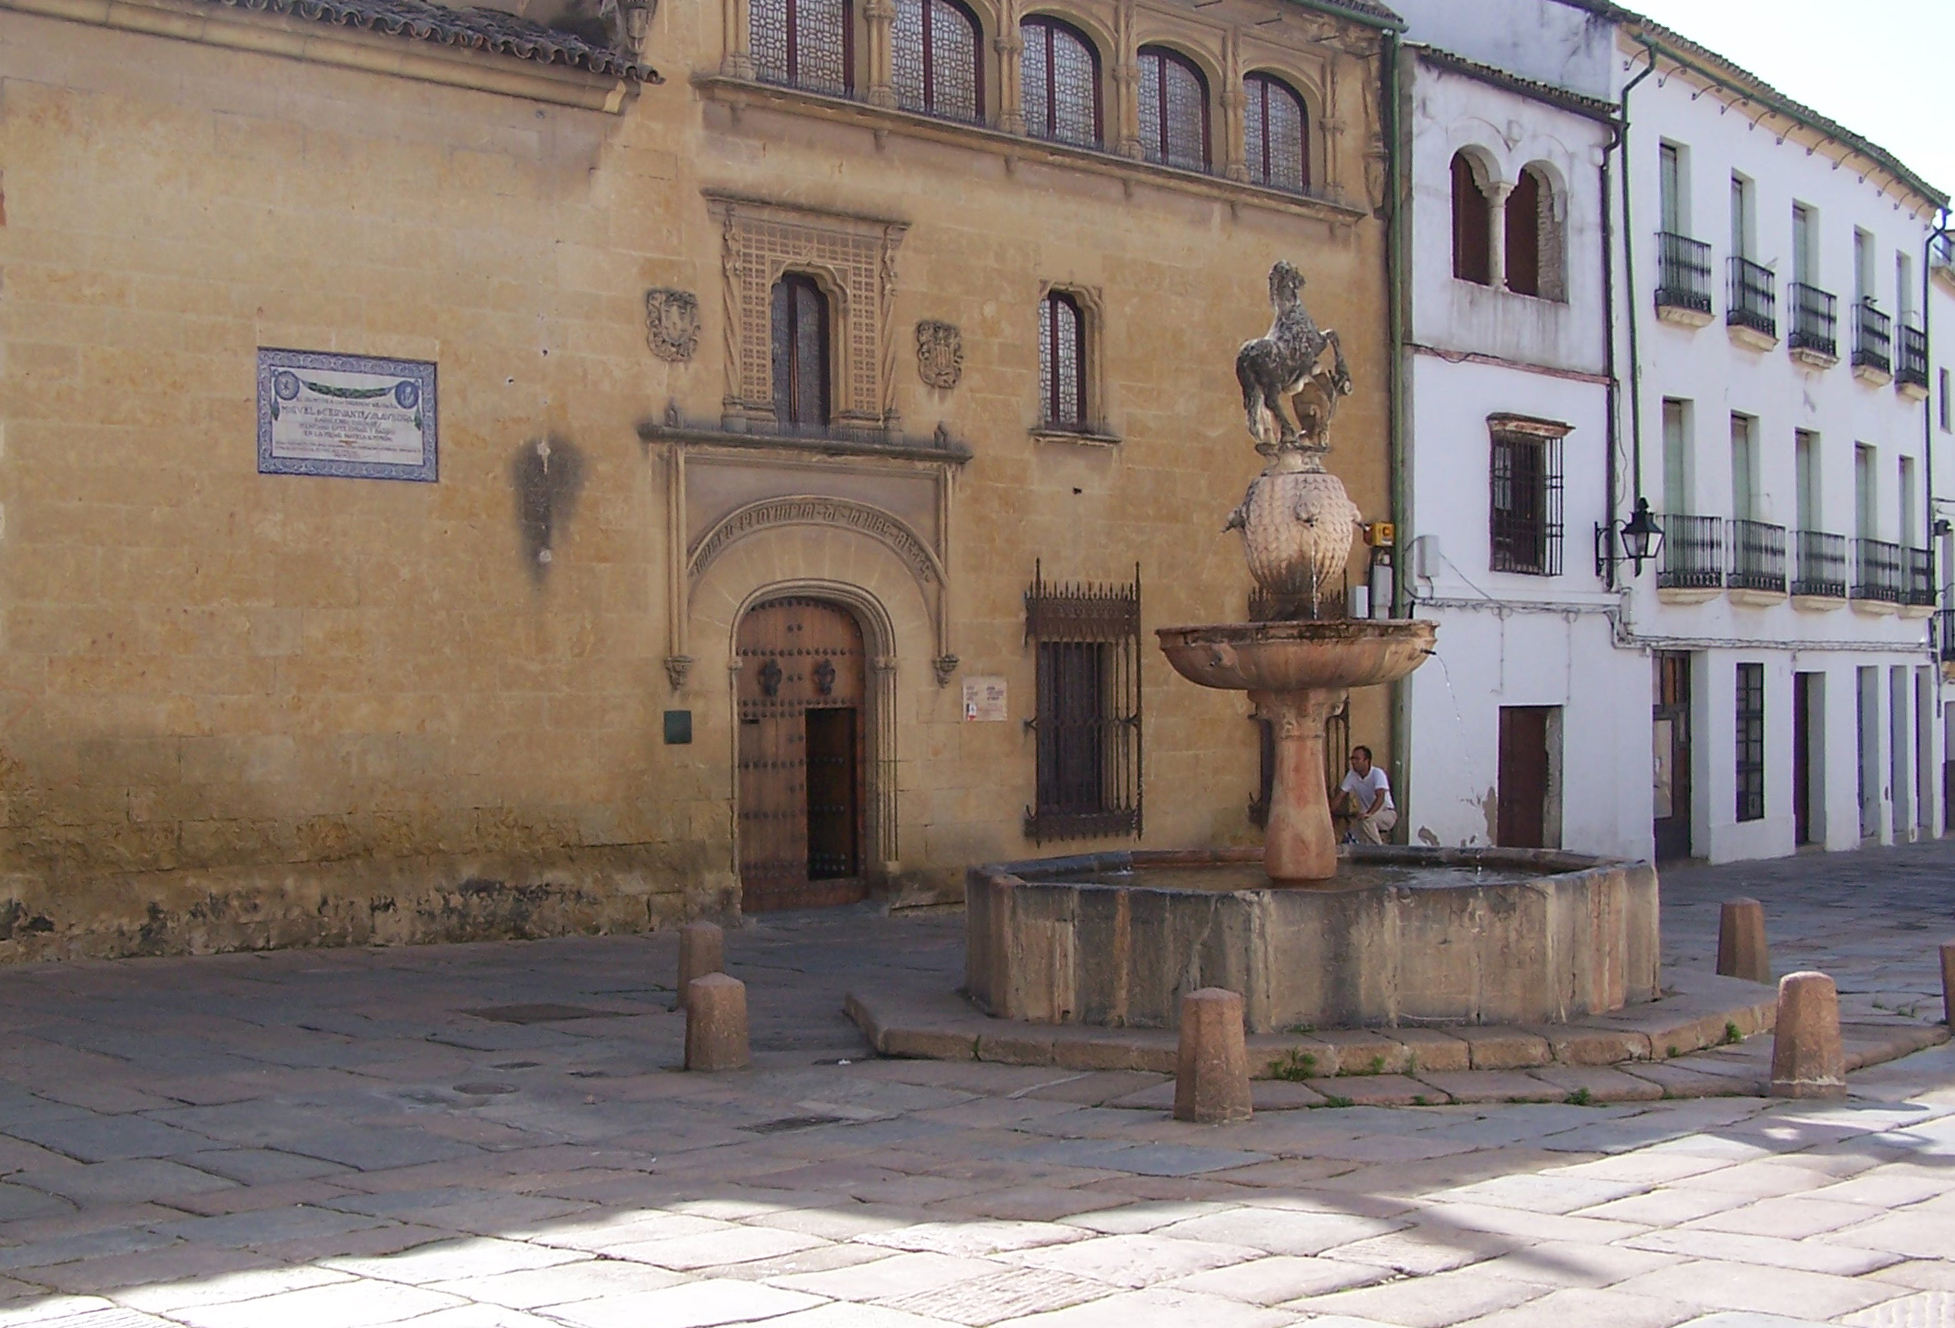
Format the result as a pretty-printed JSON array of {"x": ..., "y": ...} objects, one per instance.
[{"x": 1606, "y": 1059}]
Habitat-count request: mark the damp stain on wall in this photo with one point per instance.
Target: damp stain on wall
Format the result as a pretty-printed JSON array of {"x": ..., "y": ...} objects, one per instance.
[{"x": 548, "y": 475}]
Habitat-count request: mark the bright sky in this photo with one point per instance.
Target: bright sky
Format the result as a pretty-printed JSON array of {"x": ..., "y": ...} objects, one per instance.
[{"x": 1879, "y": 67}]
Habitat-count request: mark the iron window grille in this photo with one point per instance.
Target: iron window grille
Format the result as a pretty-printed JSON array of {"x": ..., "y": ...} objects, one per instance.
[
  {"x": 1275, "y": 134},
  {"x": 1751, "y": 742},
  {"x": 1173, "y": 109},
  {"x": 1919, "y": 587},
  {"x": 1087, "y": 642},
  {"x": 1873, "y": 338},
  {"x": 1684, "y": 273},
  {"x": 1693, "y": 552},
  {"x": 936, "y": 60},
  {"x": 1822, "y": 565},
  {"x": 1525, "y": 507},
  {"x": 1912, "y": 367},
  {"x": 1059, "y": 83},
  {"x": 803, "y": 43},
  {"x": 800, "y": 354},
  {"x": 1062, "y": 362},
  {"x": 1877, "y": 570},
  {"x": 1945, "y": 634},
  {"x": 1757, "y": 556},
  {"x": 1752, "y": 301},
  {"x": 1815, "y": 320}
]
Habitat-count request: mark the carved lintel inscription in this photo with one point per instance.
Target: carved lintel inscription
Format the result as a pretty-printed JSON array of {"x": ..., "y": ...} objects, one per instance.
[
  {"x": 806, "y": 510},
  {"x": 939, "y": 354},
  {"x": 672, "y": 323}
]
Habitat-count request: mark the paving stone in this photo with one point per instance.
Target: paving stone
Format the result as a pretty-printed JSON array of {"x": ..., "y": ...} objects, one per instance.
[
  {"x": 1495, "y": 1047},
  {"x": 1809, "y": 1255},
  {"x": 1156, "y": 1308},
  {"x": 701, "y": 1304},
  {"x": 1929, "y": 1309},
  {"x": 974, "y": 1238},
  {"x": 1274, "y": 1279},
  {"x": 1002, "y": 1294},
  {"x": 1433, "y": 1049},
  {"x": 1484, "y": 1086},
  {"x": 329, "y": 1306},
  {"x": 737, "y": 1245},
  {"x": 1375, "y": 1090},
  {"x": 1280, "y": 1231},
  {"x": 1133, "y": 1261},
  {"x": 1582, "y": 1307},
  {"x": 1424, "y": 1302},
  {"x": 586, "y": 1279},
  {"x": 1721, "y": 1284}
]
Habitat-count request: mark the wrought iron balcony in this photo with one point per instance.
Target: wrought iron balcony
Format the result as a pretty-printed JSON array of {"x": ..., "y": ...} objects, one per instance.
[
  {"x": 1815, "y": 321},
  {"x": 1757, "y": 556},
  {"x": 1918, "y": 590},
  {"x": 1873, "y": 338},
  {"x": 1877, "y": 570},
  {"x": 1912, "y": 368},
  {"x": 1822, "y": 565},
  {"x": 1684, "y": 276},
  {"x": 1693, "y": 552},
  {"x": 1753, "y": 302}
]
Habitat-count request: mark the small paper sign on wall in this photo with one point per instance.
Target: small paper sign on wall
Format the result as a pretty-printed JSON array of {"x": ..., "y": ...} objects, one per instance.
[
  {"x": 984, "y": 700},
  {"x": 347, "y": 415}
]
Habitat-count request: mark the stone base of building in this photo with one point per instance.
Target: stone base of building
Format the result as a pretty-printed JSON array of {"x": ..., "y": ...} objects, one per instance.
[{"x": 398, "y": 901}]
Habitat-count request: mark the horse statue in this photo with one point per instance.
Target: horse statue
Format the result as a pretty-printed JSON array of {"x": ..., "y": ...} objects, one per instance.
[{"x": 1288, "y": 363}]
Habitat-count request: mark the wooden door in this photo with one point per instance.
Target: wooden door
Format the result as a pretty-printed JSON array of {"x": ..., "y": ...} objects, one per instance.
[
  {"x": 1670, "y": 755},
  {"x": 800, "y": 697},
  {"x": 1802, "y": 758},
  {"x": 1522, "y": 794}
]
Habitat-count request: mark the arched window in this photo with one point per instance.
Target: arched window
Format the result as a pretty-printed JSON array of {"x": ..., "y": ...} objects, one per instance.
[
  {"x": 1472, "y": 225},
  {"x": 1274, "y": 134},
  {"x": 1173, "y": 109},
  {"x": 800, "y": 350},
  {"x": 1534, "y": 250},
  {"x": 1060, "y": 82},
  {"x": 1062, "y": 362},
  {"x": 934, "y": 56},
  {"x": 806, "y": 43}
]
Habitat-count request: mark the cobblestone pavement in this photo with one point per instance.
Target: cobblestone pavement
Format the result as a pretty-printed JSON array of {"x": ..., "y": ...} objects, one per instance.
[{"x": 488, "y": 1136}]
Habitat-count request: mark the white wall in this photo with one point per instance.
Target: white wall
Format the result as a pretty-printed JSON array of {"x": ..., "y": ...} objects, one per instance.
[{"x": 1544, "y": 40}]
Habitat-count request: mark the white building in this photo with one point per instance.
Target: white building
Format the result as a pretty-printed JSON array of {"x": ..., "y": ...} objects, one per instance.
[{"x": 1767, "y": 276}]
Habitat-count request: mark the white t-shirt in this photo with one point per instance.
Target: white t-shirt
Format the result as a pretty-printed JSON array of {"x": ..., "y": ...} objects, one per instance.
[{"x": 1367, "y": 787}]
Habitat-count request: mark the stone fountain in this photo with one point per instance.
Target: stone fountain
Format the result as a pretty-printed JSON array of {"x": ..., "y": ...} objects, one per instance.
[{"x": 1385, "y": 936}]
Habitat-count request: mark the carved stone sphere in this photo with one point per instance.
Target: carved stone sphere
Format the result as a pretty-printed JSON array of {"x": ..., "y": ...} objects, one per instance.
[{"x": 1297, "y": 530}]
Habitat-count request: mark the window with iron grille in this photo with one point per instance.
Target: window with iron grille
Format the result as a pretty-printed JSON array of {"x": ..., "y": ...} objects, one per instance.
[
  {"x": 800, "y": 353},
  {"x": 1059, "y": 76},
  {"x": 934, "y": 59},
  {"x": 806, "y": 43},
  {"x": 1276, "y": 145},
  {"x": 1173, "y": 109},
  {"x": 1751, "y": 742},
  {"x": 1524, "y": 525},
  {"x": 1062, "y": 362},
  {"x": 1086, "y": 639}
]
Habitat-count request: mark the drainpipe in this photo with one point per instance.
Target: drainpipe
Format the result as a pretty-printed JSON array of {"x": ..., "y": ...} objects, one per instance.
[
  {"x": 1613, "y": 424},
  {"x": 1397, "y": 297},
  {"x": 1629, "y": 284}
]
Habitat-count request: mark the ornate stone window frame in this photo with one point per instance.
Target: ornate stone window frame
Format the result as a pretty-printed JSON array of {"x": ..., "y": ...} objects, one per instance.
[
  {"x": 1092, "y": 308},
  {"x": 852, "y": 257}
]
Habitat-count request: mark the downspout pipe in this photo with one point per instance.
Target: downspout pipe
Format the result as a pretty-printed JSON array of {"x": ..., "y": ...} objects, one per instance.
[
  {"x": 1398, "y": 297},
  {"x": 1612, "y": 425},
  {"x": 1941, "y": 232},
  {"x": 1629, "y": 284}
]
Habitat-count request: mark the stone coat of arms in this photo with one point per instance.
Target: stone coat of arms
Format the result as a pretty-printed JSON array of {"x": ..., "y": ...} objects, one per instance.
[
  {"x": 939, "y": 354},
  {"x": 672, "y": 323}
]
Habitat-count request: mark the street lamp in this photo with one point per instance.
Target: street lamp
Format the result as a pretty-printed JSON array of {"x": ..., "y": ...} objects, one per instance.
[{"x": 1641, "y": 539}]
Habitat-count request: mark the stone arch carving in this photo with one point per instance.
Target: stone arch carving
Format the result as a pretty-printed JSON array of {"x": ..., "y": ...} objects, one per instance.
[{"x": 817, "y": 510}]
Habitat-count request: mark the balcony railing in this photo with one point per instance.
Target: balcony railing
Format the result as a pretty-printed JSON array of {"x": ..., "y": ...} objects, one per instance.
[
  {"x": 1873, "y": 338},
  {"x": 1913, "y": 365},
  {"x": 1684, "y": 281},
  {"x": 1752, "y": 302},
  {"x": 1693, "y": 552},
  {"x": 1815, "y": 321},
  {"x": 1877, "y": 570},
  {"x": 1918, "y": 590},
  {"x": 1822, "y": 565},
  {"x": 1757, "y": 556}
]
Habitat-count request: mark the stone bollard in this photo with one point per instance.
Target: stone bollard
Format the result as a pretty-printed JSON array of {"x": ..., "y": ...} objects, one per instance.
[
  {"x": 1807, "y": 1060},
  {"x": 1948, "y": 984},
  {"x": 702, "y": 950},
  {"x": 716, "y": 1023},
  {"x": 1741, "y": 948},
  {"x": 1211, "y": 1076}
]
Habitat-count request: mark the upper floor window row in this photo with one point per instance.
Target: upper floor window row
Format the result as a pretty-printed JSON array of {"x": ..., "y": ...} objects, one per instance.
[{"x": 936, "y": 63}]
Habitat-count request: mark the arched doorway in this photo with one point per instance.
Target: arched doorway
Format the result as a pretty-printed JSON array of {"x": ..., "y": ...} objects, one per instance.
[{"x": 800, "y": 700}]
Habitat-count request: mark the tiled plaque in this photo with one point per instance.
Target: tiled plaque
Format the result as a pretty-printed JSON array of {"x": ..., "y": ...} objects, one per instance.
[{"x": 346, "y": 415}]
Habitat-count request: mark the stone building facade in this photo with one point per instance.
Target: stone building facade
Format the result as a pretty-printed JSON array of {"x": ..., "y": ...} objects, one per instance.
[{"x": 730, "y": 339}]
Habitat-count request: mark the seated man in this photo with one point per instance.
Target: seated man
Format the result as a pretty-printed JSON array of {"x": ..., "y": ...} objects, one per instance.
[{"x": 1366, "y": 797}]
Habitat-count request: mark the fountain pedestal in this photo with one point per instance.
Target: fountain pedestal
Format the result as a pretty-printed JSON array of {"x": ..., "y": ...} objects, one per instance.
[{"x": 1299, "y": 837}]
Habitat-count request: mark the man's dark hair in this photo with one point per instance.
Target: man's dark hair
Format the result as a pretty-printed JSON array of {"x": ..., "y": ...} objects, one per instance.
[{"x": 1362, "y": 748}]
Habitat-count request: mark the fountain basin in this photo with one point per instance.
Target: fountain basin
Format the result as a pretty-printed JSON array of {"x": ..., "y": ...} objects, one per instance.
[
  {"x": 1407, "y": 936},
  {"x": 1314, "y": 655}
]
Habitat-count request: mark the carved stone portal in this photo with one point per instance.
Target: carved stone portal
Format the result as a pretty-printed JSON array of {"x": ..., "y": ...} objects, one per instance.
[
  {"x": 672, "y": 323},
  {"x": 939, "y": 354}
]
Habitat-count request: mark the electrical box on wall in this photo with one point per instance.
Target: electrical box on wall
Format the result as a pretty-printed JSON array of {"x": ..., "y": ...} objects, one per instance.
[
  {"x": 678, "y": 728},
  {"x": 1381, "y": 534}
]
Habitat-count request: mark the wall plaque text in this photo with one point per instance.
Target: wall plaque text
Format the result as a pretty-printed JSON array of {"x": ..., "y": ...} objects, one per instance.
[{"x": 346, "y": 415}]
